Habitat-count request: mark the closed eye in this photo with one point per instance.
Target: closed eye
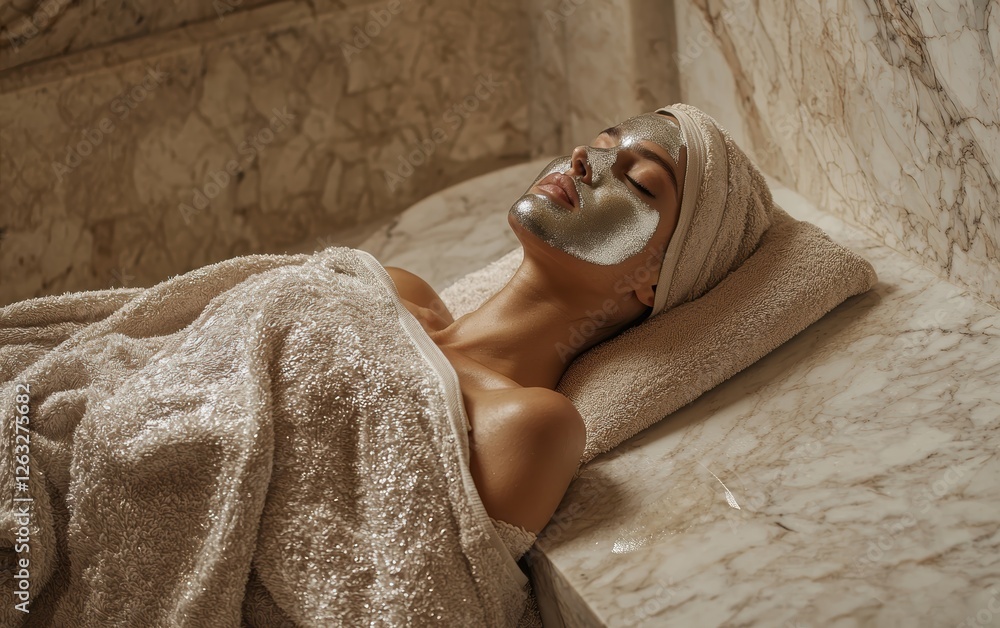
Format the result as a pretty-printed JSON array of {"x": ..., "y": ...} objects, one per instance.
[
  {"x": 640, "y": 186},
  {"x": 615, "y": 133}
]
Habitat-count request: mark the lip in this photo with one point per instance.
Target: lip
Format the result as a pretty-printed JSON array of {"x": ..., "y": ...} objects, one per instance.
[{"x": 561, "y": 189}]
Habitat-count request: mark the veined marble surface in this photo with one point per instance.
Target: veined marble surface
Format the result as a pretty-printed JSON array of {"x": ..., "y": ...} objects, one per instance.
[
  {"x": 849, "y": 478},
  {"x": 886, "y": 113}
]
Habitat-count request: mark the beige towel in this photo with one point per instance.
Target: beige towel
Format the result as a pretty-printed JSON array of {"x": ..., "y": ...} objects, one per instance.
[
  {"x": 265, "y": 440},
  {"x": 625, "y": 384}
]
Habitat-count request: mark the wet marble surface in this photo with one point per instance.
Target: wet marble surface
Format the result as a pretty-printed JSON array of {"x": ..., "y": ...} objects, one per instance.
[
  {"x": 849, "y": 478},
  {"x": 885, "y": 113}
]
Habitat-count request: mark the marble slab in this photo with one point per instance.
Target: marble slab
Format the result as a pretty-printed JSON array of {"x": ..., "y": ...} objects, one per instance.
[
  {"x": 457, "y": 230},
  {"x": 849, "y": 478}
]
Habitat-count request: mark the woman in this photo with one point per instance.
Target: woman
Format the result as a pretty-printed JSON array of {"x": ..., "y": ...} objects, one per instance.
[
  {"x": 587, "y": 225},
  {"x": 264, "y": 438}
]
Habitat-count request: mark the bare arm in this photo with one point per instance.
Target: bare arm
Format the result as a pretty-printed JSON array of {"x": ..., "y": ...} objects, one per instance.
[{"x": 526, "y": 448}]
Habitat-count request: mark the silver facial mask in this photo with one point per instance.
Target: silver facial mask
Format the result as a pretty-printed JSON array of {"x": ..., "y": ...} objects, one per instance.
[{"x": 613, "y": 222}]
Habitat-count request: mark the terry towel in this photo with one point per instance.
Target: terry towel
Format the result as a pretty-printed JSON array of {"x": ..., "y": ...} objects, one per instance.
[
  {"x": 266, "y": 440},
  {"x": 726, "y": 206}
]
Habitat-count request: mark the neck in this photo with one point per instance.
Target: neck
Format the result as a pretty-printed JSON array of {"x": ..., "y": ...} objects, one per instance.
[{"x": 530, "y": 331}]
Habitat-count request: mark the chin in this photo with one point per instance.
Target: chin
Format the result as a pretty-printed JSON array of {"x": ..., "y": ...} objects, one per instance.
[
  {"x": 548, "y": 256},
  {"x": 539, "y": 249},
  {"x": 514, "y": 224},
  {"x": 527, "y": 238}
]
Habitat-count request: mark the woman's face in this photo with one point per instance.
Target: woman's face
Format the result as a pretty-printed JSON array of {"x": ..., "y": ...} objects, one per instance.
[{"x": 606, "y": 203}]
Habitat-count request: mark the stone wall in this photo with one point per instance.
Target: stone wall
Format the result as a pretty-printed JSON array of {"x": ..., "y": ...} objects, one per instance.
[
  {"x": 132, "y": 153},
  {"x": 597, "y": 63},
  {"x": 884, "y": 112}
]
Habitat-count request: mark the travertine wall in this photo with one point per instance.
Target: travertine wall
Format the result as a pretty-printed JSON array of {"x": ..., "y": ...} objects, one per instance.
[
  {"x": 886, "y": 112},
  {"x": 139, "y": 154}
]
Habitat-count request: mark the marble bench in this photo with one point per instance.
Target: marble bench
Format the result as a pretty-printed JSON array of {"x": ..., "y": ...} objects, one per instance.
[{"x": 849, "y": 478}]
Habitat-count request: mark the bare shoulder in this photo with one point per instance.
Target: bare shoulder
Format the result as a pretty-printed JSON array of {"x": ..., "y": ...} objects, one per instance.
[
  {"x": 525, "y": 459},
  {"x": 543, "y": 409},
  {"x": 414, "y": 289},
  {"x": 538, "y": 413}
]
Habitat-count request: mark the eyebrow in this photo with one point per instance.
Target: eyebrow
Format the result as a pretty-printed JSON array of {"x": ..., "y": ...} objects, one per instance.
[{"x": 642, "y": 151}]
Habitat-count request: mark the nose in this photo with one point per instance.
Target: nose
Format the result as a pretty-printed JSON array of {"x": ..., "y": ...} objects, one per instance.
[{"x": 580, "y": 165}]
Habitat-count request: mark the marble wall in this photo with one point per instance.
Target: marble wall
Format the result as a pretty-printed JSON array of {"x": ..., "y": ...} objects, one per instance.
[
  {"x": 37, "y": 29},
  {"x": 595, "y": 64},
  {"x": 305, "y": 129},
  {"x": 129, "y": 155},
  {"x": 884, "y": 112}
]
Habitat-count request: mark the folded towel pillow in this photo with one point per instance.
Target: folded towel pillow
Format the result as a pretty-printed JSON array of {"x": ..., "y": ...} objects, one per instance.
[{"x": 629, "y": 382}]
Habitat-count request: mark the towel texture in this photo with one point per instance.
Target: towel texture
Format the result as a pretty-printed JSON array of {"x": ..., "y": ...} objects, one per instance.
[
  {"x": 725, "y": 209},
  {"x": 265, "y": 441},
  {"x": 625, "y": 384},
  {"x": 517, "y": 539}
]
